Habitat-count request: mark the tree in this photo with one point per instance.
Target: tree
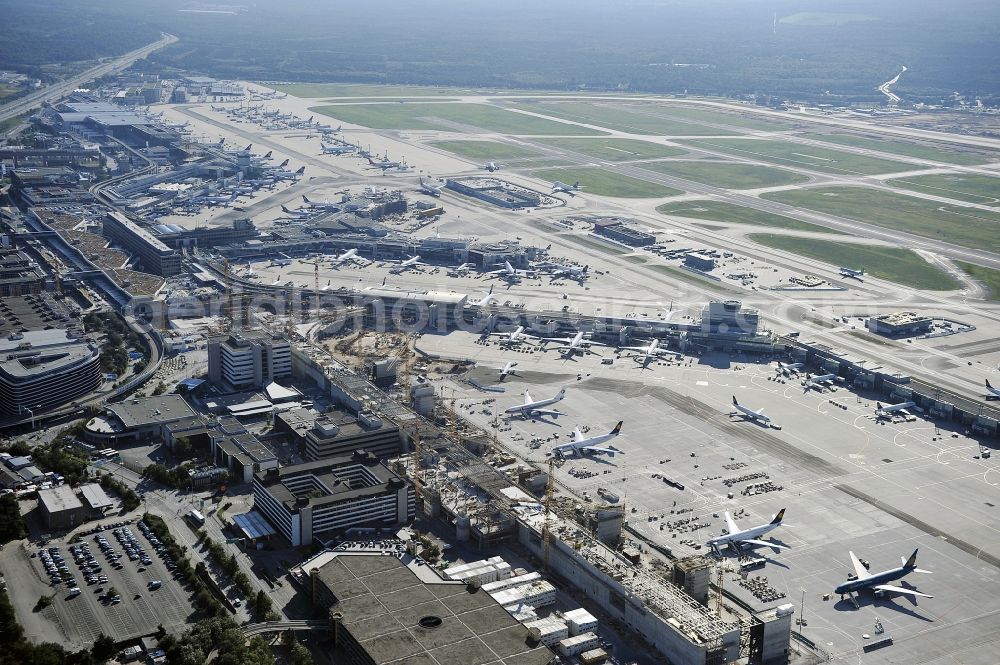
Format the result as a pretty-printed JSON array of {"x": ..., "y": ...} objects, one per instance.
[
  {"x": 300, "y": 654},
  {"x": 103, "y": 649},
  {"x": 11, "y": 523},
  {"x": 262, "y": 605}
]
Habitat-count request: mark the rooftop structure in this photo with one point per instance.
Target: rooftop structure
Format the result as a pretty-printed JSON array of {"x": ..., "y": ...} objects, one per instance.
[
  {"x": 154, "y": 255},
  {"x": 60, "y": 507},
  {"x": 306, "y": 501},
  {"x": 495, "y": 191},
  {"x": 248, "y": 359},
  {"x": 899, "y": 323},
  {"x": 42, "y": 369},
  {"x": 387, "y": 614},
  {"x": 19, "y": 274}
]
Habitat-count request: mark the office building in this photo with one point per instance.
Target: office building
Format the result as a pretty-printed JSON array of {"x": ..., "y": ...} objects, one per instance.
[
  {"x": 248, "y": 360},
  {"x": 617, "y": 230},
  {"x": 43, "y": 369},
  {"x": 317, "y": 500},
  {"x": 337, "y": 433},
  {"x": 60, "y": 508},
  {"x": 19, "y": 274},
  {"x": 900, "y": 324},
  {"x": 155, "y": 256}
]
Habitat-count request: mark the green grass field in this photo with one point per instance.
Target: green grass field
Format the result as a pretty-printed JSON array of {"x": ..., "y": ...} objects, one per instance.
[
  {"x": 902, "y": 266},
  {"x": 721, "y": 211},
  {"x": 620, "y": 118},
  {"x": 606, "y": 183},
  {"x": 987, "y": 276},
  {"x": 905, "y": 148},
  {"x": 422, "y": 116},
  {"x": 485, "y": 150},
  {"x": 786, "y": 153},
  {"x": 715, "y": 117},
  {"x": 616, "y": 150},
  {"x": 729, "y": 176},
  {"x": 971, "y": 187},
  {"x": 962, "y": 226},
  {"x": 319, "y": 90}
]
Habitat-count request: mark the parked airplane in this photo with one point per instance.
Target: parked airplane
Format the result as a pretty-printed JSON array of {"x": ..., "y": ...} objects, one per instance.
[
  {"x": 887, "y": 411},
  {"x": 321, "y": 205},
  {"x": 485, "y": 300},
  {"x": 993, "y": 392},
  {"x": 862, "y": 579},
  {"x": 430, "y": 189},
  {"x": 386, "y": 165},
  {"x": 573, "y": 344},
  {"x": 581, "y": 445},
  {"x": 531, "y": 408},
  {"x": 558, "y": 186},
  {"x": 411, "y": 263},
  {"x": 284, "y": 261},
  {"x": 819, "y": 381},
  {"x": 337, "y": 149},
  {"x": 788, "y": 369},
  {"x": 349, "y": 255},
  {"x": 579, "y": 273},
  {"x": 509, "y": 273},
  {"x": 736, "y": 538},
  {"x": 511, "y": 338},
  {"x": 281, "y": 174},
  {"x": 747, "y": 412},
  {"x": 214, "y": 200},
  {"x": 649, "y": 352},
  {"x": 327, "y": 129},
  {"x": 507, "y": 370},
  {"x": 295, "y": 214},
  {"x": 853, "y": 274}
]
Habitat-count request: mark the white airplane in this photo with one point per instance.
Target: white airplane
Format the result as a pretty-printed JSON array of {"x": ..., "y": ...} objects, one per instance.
[
  {"x": 507, "y": 370},
  {"x": 757, "y": 415},
  {"x": 818, "y": 381},
  {"x": 295, "y": 214},
  {"x": 648, "y": 352},
  {"x": 581, "y": 445},
  {"x": 558, "y": 186},
  {"x": 853, "y": 274},
  {"x": 572, "y": 344},
  {"x": 277, "y": 280},
  {"x": 485, "y": 300},
  {"x": 491, "y": 166},
  {"x": 349, "y": 255},
  {"x": 212, "y": 200},
  {"x": 282, "y": 174},
  {"x": 430, "y": 189},
  {"x": 507, "y": 272},
  {"x": 886, "y": 411},
  {"x": 862, "y": 579},
  {"x": 993, "y": 392},
  {"x": 411, "y": 263},
  {"x": 284, "y": 261},
  {"x": 788, "y": 369},
  {"x": 512, "y": 338},
  {"x": 530, "y": 408},
  {"x": 579, "y": 273},
  {"x": 337, "y": 149},
  {"x": 735, "y": 538},
  {"x": 321, "y": 205}
]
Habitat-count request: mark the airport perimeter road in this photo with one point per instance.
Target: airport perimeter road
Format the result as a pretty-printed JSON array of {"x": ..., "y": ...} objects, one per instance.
[{"x": 63, "y": 88}]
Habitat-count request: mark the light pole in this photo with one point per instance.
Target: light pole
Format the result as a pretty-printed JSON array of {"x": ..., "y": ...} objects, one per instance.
[{"x": 22, "y": 409}]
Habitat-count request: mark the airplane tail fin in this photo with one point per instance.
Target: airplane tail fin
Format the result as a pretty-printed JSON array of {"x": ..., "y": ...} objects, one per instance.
[
  {"x": 301, "y": 170},
  {"x": 285, "y": 209},
  {"x": 283, "y": 164},
  {"x": 912, "y": 561},
  {"x": 735, "y": 403},
  {"x": 618, "y": 428},
  {"x": 268, "y": 155},
  {"x": 988, "y": 383},
  {"x": 561, "y": 393},
  {"x": 878, "y": 406},
  {"x": 247, "y": 149},
  {"x": 780, "y": 516}
]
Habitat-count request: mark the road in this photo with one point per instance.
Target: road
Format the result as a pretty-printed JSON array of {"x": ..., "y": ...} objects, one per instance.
[{"x": 58, "y": 90}]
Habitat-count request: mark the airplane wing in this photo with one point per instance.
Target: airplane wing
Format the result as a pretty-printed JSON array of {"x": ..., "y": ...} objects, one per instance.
[
  {"x": 547, "y": 412},
  {"x": 577, "y": 434},
  {"x": 730, "y": 524},
  {"x": 595, "y": 449},
  {"x": 764, "y": 543},
  {"x": 899, "y": 589},
  {"x": 860, "y": 570}
]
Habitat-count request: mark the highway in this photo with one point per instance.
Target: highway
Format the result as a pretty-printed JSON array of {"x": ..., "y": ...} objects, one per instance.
[{"x": 59, "y": 90}]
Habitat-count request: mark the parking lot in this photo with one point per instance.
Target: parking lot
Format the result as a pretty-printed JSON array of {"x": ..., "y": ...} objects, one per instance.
[{"x": 112, "y": 580}]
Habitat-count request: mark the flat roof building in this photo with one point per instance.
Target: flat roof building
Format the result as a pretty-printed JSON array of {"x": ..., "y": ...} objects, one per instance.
[
  {"x": 318, "y": 499},
  {"x": 618, "y": 231},
  {"x": 61, "y": 509},
  {"x": 155, "y": 256},
  {"x": 387, "y": 614},
  {"x": 899, "y": 323},
  {"x": 19, "y": 274},
  {"x": 248, "y": 360},
  {"x": 338, "y": 433},
  {"x": 44, "y": 369}
]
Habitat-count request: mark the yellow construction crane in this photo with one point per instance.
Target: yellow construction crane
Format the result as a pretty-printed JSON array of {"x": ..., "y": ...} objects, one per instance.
[{"x": 546, "y": 530}]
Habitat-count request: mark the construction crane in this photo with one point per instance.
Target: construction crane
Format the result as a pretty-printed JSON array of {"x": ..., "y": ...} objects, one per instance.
[
  {"x": 230, "y": 320},
  {"x": 546, "y": 530},
  {"x": 418, "y": 485}
]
